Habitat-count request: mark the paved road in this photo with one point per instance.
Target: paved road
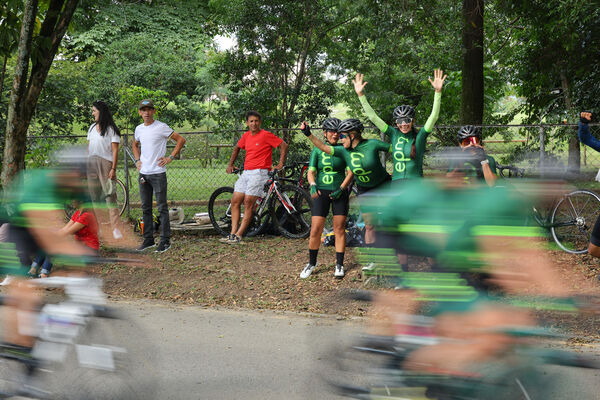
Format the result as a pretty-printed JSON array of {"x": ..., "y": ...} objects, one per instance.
[{"x": 223, "y": 354}]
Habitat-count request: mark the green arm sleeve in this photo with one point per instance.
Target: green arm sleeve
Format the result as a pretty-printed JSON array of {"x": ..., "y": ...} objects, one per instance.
[
  {"x": 435, "y": 112},
  {"x": 383, "y": 146},
  {"x": 382, "y": 126}
]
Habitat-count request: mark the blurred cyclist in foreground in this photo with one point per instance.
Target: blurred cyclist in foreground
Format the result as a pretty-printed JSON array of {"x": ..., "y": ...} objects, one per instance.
[
  {"x": 483, "y": 251},
  {"x": 34, "y": 205}
]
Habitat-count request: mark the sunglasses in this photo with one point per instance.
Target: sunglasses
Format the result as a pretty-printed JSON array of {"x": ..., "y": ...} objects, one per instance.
[
  {"x": 343, "y": 136},
  {"x": 470, "y": 140},
  {"x": 404, "y": 121}
]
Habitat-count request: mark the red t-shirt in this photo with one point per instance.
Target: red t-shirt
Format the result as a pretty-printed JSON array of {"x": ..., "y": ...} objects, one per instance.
[
  {"x": 259, "y": 149},
  {"x": 89, "y": 233}
]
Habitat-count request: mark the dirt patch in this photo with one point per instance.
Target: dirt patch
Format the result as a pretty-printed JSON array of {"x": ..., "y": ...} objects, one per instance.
[{"x": 263, "y": 273}]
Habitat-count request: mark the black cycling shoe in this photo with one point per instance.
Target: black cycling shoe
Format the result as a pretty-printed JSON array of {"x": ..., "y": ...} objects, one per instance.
[{"x": 163, "y": 246}]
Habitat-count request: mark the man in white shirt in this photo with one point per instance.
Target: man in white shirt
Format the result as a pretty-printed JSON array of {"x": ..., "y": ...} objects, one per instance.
[{"x": 152, "y": 135}]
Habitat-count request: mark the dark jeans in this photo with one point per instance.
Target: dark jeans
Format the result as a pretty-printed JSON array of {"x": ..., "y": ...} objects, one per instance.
[
  {"x": 157, "y": 184},
  {"x": 43, "y": 261}
]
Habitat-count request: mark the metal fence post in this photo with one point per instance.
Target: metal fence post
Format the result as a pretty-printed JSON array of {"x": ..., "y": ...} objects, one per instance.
[
  {"x": 126, "y": 171},
  {"x": 542, "y": 150}
]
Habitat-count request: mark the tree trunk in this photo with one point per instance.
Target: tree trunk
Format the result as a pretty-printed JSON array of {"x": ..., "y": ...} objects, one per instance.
[
  {"x": 16, "y": 130},
  {"x": 25, "y": 93},
  {"x": 574, "y": 160},
  {"x": 2, "y": 75},
  {"x": 472, "y": 72}
]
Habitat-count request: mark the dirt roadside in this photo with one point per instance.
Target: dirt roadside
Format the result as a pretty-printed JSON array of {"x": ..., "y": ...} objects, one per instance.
[{"x": 263, "y": 273}]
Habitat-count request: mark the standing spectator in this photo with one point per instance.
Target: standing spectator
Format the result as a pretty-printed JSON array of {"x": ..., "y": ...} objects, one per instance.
[
  {"x": 103, "y": 151},
  {"x": 152, "y": 135},
  {"x": 258, "y": 144}
]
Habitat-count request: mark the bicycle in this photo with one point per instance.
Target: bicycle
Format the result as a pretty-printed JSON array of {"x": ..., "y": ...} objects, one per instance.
[
  {"x": 287, "y": 207},
  {"x": 76, "y": 354},
  {"x": 571, "y": 218},
  {"x": 372, "y": 367}
]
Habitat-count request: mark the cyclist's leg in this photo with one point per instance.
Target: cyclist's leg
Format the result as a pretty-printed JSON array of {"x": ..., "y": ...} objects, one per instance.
[
  {"x": 249, "y": 202},
  {"x": 236, "y": 209},
  {"x": 316, "y": 229}
]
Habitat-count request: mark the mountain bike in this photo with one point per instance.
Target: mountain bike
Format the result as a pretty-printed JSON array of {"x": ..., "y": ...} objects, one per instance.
[
  {"x": 287, "y": 207},
  {"x": 78, "y": 352},
  {"x": 570, "y": 217}
]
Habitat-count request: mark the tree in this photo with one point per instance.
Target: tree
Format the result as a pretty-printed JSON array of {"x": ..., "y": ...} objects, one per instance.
[
  {"x": 27, "y": 85},
  {"x": 553, "y": 60},
  {"x": 280, "y": 64},
  {"x": 472, "y": 71}
]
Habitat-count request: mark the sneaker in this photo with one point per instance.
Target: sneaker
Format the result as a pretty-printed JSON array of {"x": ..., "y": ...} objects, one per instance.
[
  {"x": 163, "y": 246},
  {"x": 307, "y": 271},
  {"x": 234, "y": 239},
  {"x": 369, "y": 267},
  {"x": 339, "y": 271},
  {"x": 117, "y": 234},
  {"x": 226, "y": 238},
  {"x": 7, "y": 280},
  {"x": 146, "y": 244}
]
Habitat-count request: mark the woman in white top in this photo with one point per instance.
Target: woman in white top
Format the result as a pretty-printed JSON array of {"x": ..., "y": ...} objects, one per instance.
[{"x": 103, "y": 151}]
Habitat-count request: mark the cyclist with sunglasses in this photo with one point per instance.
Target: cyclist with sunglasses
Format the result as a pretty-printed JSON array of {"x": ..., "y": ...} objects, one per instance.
[
  {"x": 408, "y": 144},
  {"x": 483, "y": 165},
  {"x": 361, "y": 156},
  {"x": 329, "y": 178}
]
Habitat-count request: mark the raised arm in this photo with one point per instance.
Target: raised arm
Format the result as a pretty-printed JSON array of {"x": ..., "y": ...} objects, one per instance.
[
  {"x": 359, "y": 86},
  {"x": 584, "y": 134},
  {"x": 318, "y": 144},
  {"x": 438, "y": 84}
]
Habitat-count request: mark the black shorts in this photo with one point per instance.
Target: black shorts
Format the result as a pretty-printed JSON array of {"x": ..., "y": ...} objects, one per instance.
[
  {"x": 320, "y": 205},
  {"x": 595, "y": 239}
]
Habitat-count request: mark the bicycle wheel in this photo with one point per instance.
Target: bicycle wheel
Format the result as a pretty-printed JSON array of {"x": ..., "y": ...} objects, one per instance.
[
  {"x": 219, "y": 212},
  {"x": 293, "y": 224},
  {"x": 573, "y": 219},
  {"x": 122, "y": 198}
]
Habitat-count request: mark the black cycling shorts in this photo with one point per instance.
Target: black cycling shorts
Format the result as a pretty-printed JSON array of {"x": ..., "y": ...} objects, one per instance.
[
  {"x": 320, "y": 205},
  {"x": 595, "y": 239}
]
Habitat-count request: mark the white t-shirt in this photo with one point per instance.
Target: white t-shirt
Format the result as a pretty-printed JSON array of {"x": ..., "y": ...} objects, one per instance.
[
  {"x": 153, "y": 139},
  {"x": 101, "y": 146}
]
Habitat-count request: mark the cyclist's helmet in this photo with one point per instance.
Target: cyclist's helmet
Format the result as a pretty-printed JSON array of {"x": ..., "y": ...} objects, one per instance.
[
  {"x": 468, "y": 131},
  {"x": 72, "y": 158},
  {"x": 351, "y": 125},
  {"x": 404, "y": 111},
  {"x": 331, "y": 124}
]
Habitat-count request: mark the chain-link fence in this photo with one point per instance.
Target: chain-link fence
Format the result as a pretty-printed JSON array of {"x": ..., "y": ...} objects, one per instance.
[{"x": 201, "y": 166}]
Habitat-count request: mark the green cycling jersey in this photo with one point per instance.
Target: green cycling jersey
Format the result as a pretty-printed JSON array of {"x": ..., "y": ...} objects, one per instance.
[
  {"x": 330, "y": 170},
  {"x": 363, "y": 161},
  {"x": 406, "y": 167}
]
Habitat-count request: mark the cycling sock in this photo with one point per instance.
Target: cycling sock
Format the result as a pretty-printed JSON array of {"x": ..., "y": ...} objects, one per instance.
[
  {"x": 312, "y": 256},
  {"x": 339, "y": 258}
]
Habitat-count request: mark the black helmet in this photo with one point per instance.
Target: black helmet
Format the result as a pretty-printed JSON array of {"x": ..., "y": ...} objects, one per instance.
[
  {"x": 350, "y": 124},
  {"x": 331, "y": 124},
  {"x": 468, "y": 131},
  {"x": 404, "y": 112}
]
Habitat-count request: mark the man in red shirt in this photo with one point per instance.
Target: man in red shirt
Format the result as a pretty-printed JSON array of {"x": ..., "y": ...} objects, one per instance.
[{"x": 259, "y": 145}]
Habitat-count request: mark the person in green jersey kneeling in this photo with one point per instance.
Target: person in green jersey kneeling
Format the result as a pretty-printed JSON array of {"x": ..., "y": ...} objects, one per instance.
[{"x": 329, "y": 178}]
